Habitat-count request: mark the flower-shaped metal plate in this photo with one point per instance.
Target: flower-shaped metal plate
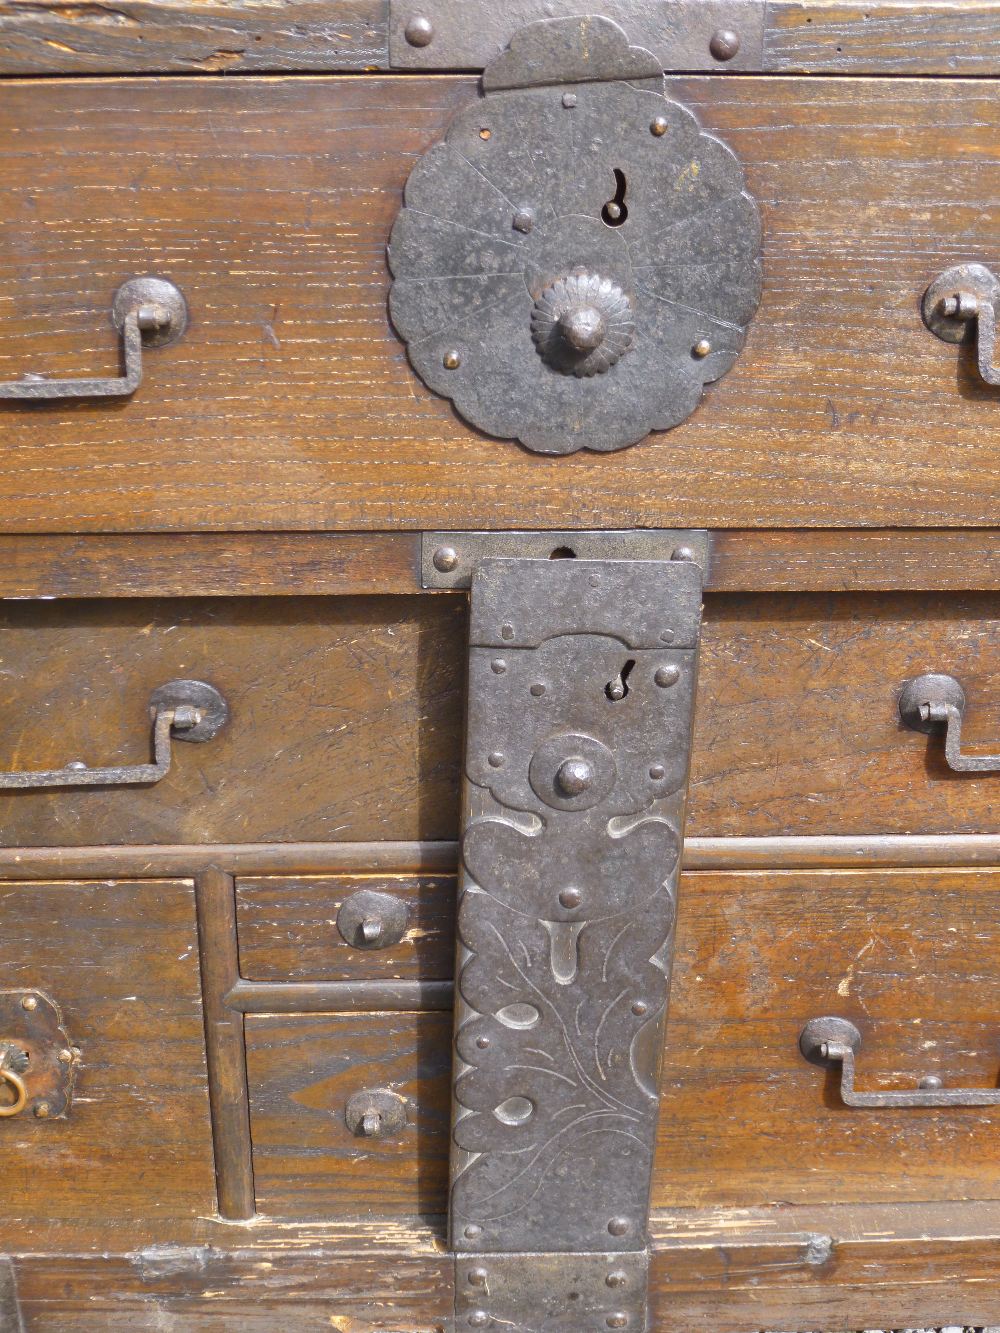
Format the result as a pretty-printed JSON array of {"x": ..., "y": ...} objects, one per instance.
[{"x": 577, "y": 259}]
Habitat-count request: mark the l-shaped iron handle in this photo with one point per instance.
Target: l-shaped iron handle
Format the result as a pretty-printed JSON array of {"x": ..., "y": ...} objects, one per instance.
[
  {"x": 932, "y": 701},
  {"x": 148, "y": 312},
  {"x": 962, "y": 304},
  {"x": 833, "y": 1041},
  {"x": 185, "y": 710}
]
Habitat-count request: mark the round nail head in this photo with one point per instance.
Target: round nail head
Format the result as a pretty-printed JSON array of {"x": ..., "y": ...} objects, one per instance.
[
  {"x": 445, "y": 559},
  {"x": 659, "y": 126},
  {"x": 618, "y": 1226},
  {"x": 665, "y": 676},
  {"x": 419, "y": 31},
  {"x": 570, "y": 898},
  {"x": 452, "y": 360},
  {"x": 702, "y": 348},
  {"x": 724, "y": 44},
  {"x": 574, "y": 776}
]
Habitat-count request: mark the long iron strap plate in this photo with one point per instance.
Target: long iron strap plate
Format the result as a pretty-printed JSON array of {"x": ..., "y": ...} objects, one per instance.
[{"x": 582, "y": 679}]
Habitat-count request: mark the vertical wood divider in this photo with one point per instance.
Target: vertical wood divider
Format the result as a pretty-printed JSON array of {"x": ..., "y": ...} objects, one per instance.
[{"x": 225, "y": 1044}]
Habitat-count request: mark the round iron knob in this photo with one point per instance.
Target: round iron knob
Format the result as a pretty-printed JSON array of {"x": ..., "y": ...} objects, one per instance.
[{"x": 582, "y": 324}]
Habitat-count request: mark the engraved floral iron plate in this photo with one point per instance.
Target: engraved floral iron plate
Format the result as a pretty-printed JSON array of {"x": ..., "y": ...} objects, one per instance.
[{"x": 577, "y": 259}]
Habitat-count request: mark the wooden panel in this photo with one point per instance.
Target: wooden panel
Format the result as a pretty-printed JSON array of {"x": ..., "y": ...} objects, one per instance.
[
  {"x": 288, "y": 929},
  {"x": 289, "y": 403},
  {"x": 796, "y": 725},
  {"x": 262, "y": 564},
  {"x": 121, "y": 960},
  {"x": 910, "y": 957},
  {"x": 345, "y": 718},
  {"x": 192, "y": 36},
  {"x": 745, "y": 1121},
  {"x": 302, "y": 1070},
  {"x": 927, "y": 37}
]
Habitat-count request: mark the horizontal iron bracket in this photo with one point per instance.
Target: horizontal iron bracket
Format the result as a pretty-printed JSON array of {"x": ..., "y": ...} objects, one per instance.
[
  {"x": 447, "y": 559},
  {"x": 458, "y": 34}
]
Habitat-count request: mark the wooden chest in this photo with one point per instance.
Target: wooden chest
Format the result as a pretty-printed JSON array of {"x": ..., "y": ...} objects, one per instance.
[{"x": 499, "y": 526}]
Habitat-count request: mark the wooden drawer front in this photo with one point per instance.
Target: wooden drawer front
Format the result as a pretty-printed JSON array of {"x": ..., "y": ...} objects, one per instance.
[
  {"x": 288, "y": 929},
  {"x": 745, "y": 1121},
  {"x": 329, "y": 701},
  {"x": 121, "y": 961},
  {"x": 346, "y": 719},
  {"x": 910, "y": 957},
  {"x": 289, "y": 404},
  {"x": 303, "y": 1069}
]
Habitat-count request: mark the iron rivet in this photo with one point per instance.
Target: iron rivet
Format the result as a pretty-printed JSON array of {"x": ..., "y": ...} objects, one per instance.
[
  {"x": 498, "y": 666},
  {"x": 66, "y": 1057},
  {"x": 495, "y": 760},
  {"x": 478, "y": 1277},
  {"x": 574, "y": 776},
  {"x": 451, "y": 359},
  {"x": 639, "y": 1008},
  {"x": 569, "y": 100},
  {"x": 619, "y": 1226},
  {"x": 419, "y": 32},
  {"x": 724, "y": 44},
  {"x": 684, "y": 553},
  {"x": 595, "y": 580},
  {"x": 473, "y": 1232},
  {"x": 445, "y": 559},
  {"x": 479, "y": 1319},
  {"x": 42, "y": 1110},
  {"x": 617, "y": 1321},
  {"x": 506, "y": 631},
  {"x": 665, "y": 676},
  {"x": 538, "y": 689},
  {"x": 483, "y": 1043},
  {"x": 524, "y": 220},
  {"x": 616, "y": 1279},
  {"x": 701, "y": 348},
  {"x": 657, "y": 772},
  {"x": 571, "y": 898},
  {"x": 77, "y": 765},
  {"x": 930, "y": 1082},
  {"x": 29, "y": 1002},
  {"x": 667, "y": 635},
  {"x": 659, "y": 126}
]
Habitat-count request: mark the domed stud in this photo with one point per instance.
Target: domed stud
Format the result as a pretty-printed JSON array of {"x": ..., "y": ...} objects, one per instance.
[
  {"x": 574, "y": 776},
  {"x": 584, "y": 328}
]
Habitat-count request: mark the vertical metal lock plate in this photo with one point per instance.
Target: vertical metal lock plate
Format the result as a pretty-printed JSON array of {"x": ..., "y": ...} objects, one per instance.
[
  {"x": 577, "y": 259},
  {"x": 582, "y": 677}
]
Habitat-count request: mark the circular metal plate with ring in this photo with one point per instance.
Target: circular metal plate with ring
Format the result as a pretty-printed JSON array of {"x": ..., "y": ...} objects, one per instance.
[{"x": 577, "y": 259}]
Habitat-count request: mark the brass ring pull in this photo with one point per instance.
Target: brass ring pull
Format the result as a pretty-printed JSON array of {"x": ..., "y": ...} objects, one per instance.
[
  {"x": 16, "y": 1084},
  {"x": 148, "y": 312},
  {"x": 185, "y": 710}
]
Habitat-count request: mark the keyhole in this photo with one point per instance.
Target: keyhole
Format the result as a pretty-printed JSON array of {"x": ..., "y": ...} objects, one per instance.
[
  {"x": 618, "y": 688},
  {"x": 615, "y": 211}
]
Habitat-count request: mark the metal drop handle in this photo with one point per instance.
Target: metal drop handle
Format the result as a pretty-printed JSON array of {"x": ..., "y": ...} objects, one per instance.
[
  {"x": 962, "y": 304},
  {"x": 833, "y": 1041},
  {"x": 148, "y": 312},
  {"x": 930, "y": 702},
  {"x": 184, "y": 710}
]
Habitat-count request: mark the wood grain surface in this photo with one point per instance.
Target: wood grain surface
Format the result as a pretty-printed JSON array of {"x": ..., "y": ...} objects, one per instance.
[
  {"x": 288, "y": 929},
  {"x": 289, "y": 403},
  {"x": 208, "y": 36},
  {"x": 347, "y": 716},
  {"x": 345, "y": 719},
  {"x": 121, "y": 961},
  {"x": 745, "y": 1122},
  {"x": 302, "y": 1069}
]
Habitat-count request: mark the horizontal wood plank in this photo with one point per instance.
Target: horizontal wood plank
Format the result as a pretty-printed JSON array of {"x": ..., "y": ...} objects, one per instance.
[{"x": 289, "y": 403}]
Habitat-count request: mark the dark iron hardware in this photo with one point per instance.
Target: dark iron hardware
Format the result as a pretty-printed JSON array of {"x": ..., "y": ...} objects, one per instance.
[
  {"x": 375, "y": 1113},
  {"x": 833, "y": 1041},
  {"x": 37, "y": 1059},
  {"x": 184, "y": 710},
  {"x": 371, "y": 920},
  {"x": 577, "y": 259},
  {"x": 148, "y": 312},
  {"x": 932, "y": 702},
  {"x": 961, "y": 305},
  {"x": 581, "y": 694}
]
